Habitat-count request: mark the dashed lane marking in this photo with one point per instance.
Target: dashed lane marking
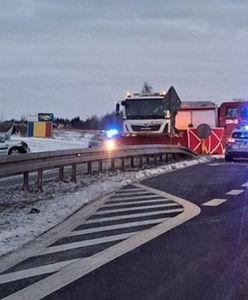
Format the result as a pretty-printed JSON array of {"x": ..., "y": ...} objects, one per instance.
[
  {"x": 214, "y": 202},
  {"x": 235, "y": 192},
  {"x": 245, "y": 185},
  {"x": 118, "y": 226}
]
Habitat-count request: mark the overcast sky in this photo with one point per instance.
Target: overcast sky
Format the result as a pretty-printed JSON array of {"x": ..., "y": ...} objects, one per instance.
[{"x": 78, "y": 57}]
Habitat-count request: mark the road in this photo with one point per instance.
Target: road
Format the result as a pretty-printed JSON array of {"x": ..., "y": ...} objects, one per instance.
[{"x": 205, "y": 257}]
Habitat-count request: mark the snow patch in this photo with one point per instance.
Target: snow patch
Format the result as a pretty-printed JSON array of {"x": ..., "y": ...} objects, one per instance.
[
  {"x": 60, "y": 200},
  {"x": 62, "y": 140}
]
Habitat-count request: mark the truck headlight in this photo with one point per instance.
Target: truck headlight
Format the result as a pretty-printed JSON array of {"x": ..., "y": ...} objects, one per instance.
[{"x": 110, "y": 145}]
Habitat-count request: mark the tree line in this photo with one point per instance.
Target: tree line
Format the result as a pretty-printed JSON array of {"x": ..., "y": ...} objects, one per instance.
[{"x": 91, "y": 123}]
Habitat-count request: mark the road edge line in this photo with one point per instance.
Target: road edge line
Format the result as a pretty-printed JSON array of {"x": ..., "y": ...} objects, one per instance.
[
  {"x": 37, "y": 245},
  {"x": 85, "y": 266}
]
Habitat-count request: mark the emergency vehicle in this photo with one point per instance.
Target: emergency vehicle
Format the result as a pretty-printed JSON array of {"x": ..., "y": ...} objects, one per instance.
[{"x": 162, "y": 118}]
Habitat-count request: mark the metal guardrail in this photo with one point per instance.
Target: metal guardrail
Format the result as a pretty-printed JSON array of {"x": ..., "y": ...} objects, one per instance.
[{"x": 38, "y": 162}]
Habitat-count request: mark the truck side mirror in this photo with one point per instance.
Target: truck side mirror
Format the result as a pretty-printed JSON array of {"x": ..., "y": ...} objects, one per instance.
[{"x": 117, "y": 108}]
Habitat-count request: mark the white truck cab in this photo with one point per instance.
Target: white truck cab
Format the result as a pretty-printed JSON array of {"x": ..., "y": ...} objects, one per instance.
[{"x": 149, "y": 113}]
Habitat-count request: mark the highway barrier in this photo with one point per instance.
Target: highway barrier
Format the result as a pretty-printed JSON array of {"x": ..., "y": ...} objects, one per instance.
[{"x": 127, "y": 156}]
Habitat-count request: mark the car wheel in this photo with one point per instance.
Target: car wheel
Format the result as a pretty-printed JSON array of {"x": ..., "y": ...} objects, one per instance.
[
  {"x": 14, "y": 151},
  {"x": 228, "y": 158}
]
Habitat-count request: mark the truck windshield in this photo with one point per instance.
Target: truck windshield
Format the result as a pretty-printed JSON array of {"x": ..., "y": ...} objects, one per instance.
[
  {"x": 145, "y": 108},
  {"x": 244, "y": 112}
]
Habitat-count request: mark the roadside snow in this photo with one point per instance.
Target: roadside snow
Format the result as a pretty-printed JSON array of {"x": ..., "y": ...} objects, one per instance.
[
  {"x": 61, "y": 199},
  {"x": 62, "y": 140}
]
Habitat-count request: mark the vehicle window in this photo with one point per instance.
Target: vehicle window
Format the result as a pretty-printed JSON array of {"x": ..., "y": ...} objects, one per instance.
[
  {"x": 99, "y": 137},
  {"x": 244, "y": 112},
  {"x": 240, "y": 135},
  {"x": 231, "y": 113}
]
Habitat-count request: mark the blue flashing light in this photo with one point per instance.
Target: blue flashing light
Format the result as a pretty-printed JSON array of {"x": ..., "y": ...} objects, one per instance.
[
  {"x": 112, "y": 132},
  {"x": 246, "y": 127}
]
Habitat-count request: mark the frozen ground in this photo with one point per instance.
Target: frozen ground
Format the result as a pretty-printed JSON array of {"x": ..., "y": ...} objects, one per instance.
[
  {"x": 62, "y": 140},
  {"x": 59, "y": 200}
]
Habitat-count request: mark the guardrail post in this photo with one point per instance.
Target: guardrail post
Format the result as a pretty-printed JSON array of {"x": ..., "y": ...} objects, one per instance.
[
  {"x": 122, "y": 163},
  {"x": 155, "y": 159},
  {"x": 174, "y": 156},
  {"x": 161, "y": 157},
  {"x": 112, "y": 164},
  {"x": 141, "y": 161},
  {"x": 166, "y": 157},
  {"x": 100, "y": 166},
  {"x": 74, "y": 173},
  {"x": 148, "y": 159},
  {"x": 40, "y": 180},
  {"x": 61, "y": 173},
  {"x": 26, "y": 181},
  {"x": 89, "y": 167},
  {"x": 132, "y": 162}
]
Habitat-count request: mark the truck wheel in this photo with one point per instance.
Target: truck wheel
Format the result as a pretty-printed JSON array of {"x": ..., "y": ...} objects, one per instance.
[{"x": 14, "y": 151}]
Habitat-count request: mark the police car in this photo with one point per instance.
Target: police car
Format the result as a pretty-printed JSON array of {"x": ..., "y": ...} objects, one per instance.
[
  {"x": 104, "y": 139},
  {"x": 237, "y": 145},
  {"x": 9, "y": 147}
]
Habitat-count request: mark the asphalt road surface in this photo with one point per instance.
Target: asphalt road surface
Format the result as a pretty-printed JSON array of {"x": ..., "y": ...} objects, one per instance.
[{"x": 203, "y": 258}]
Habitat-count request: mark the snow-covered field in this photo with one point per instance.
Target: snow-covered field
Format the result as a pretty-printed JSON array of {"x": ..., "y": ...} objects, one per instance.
[
  {"x": 62, "y": 140},
  {"x": 59, "y": 200}
]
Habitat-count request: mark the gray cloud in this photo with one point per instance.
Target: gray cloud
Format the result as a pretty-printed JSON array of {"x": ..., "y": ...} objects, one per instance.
[{"x": 78, "y": 57}]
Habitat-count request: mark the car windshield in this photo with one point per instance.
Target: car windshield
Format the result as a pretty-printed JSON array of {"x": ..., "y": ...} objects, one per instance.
[
  {"x": 145, "y": 108},
  {"x": 99, "y": 137}
]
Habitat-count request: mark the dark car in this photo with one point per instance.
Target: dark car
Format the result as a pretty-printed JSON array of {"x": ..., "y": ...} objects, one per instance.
[
  {"x": 237, "y": 145},
  {"x": 98, "y": 140}
]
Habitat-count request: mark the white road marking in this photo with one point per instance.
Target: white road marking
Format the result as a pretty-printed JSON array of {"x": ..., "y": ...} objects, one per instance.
[
  {"x": 146, "y": 214},
  {"x": 245, "y": 185},
  {"x": 214, "y": 202},
  {"x": 52, "y": 235},
  {"x": 135, "y": 202},
  {"x": 87, "y": 243},
  {"x": 228, "y": 164},
  {"x": 133, "y": 198},
  {"x": 129, "y": 190},
  {"x": 120, "y": 210},
  {"x": 13, "y": 276},
  {"x": 130, "y": 193},
  {"x": 235, "y": 192},
  {"x": 84, "y": 266},
  {"x": 118, "y": 226}
]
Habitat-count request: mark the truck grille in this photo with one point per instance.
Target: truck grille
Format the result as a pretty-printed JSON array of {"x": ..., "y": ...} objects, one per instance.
[{"x": 145, "y": 127}]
